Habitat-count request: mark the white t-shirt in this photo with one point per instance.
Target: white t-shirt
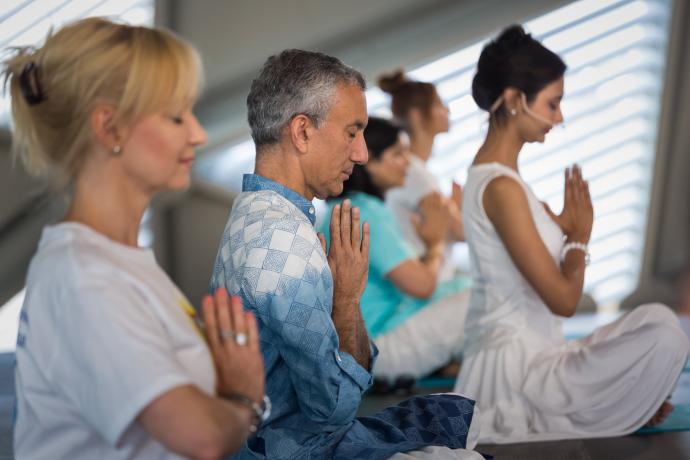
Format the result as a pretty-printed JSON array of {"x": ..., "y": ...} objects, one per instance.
[
  {"x": 102, "y": 333},
  {"x": 403, "y": 201}
]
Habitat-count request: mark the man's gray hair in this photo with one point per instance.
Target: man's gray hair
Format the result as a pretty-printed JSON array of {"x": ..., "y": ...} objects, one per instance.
[{"x": 291, "y": 83}]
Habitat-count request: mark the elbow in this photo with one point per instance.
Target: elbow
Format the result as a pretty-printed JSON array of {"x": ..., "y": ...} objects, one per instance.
[
  {"x": 425, "y": 292},
  {"x": 211, "y": 446},
  {"x": 428, "y": 286},
  {"x": 204, "y": 450},
  {"x": 564, "y": 301},
  {"x": 209, "y": 452},
  {"x": 339, "y": 410},
  {"x": 568, "y": 312},
  {"x": 422, "y": 292},
  {"x": 421, "y": 288},
  {"x": 565, "y": 309},
  {"x": 337, "y": 417}
]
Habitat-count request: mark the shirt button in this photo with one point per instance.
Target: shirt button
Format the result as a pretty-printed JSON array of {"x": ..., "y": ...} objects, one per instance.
[
  {"x": 311, "y": 210},
  {"x": 337, "y": 356}
]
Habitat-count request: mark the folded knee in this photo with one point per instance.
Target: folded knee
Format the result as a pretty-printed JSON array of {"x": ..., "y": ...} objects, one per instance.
[{"x": 655, "y": 313}]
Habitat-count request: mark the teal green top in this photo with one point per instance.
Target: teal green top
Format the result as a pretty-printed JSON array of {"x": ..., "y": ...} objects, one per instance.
[{"x": 384, "y": 306}]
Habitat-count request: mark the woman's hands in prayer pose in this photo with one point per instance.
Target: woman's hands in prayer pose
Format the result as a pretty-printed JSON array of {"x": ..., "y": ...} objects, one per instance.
[{"x": 234, "y": 341}]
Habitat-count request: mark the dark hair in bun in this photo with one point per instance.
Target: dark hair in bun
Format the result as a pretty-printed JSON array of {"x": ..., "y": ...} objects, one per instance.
[
  {"x": 516, "y": 60},
  {"x": 407, "y": 94}
]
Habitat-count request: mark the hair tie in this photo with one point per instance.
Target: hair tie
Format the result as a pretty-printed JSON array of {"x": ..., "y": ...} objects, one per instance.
[{"x": 29, "y": 84}]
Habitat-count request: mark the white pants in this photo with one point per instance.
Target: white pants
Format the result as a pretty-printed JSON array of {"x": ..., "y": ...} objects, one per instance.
[
  {"x": 445, "y": 453},
  {"x": 438, "y": 453},
  {"x": 426, "y": 341},
  {"x": 607, "y": 384}
]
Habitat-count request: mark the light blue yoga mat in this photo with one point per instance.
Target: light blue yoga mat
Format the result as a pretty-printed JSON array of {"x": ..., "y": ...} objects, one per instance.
[
  {"x": 678, "y": 420},
  {"x": 436, "y": 382}
]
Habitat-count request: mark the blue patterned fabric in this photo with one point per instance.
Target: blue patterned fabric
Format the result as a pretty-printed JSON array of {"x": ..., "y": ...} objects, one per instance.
[{"x": 271, "y": 256}]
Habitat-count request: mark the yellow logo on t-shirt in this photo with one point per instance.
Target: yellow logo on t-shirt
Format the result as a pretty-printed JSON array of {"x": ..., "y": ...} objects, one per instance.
[{"x": 194, "y": 318}]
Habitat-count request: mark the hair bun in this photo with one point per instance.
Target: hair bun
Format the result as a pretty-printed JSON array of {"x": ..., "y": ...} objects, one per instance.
[
  {"x": 393, "y": 82},
  {"x": 514, "y": 59},
  {"x": 512, "y": 37}
]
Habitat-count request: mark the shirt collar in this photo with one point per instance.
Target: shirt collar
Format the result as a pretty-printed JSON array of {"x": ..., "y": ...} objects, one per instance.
[{"x": 255, "y": 182}]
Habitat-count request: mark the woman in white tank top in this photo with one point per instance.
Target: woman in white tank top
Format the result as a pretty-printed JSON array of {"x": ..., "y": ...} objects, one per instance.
[{"x": 528, "y": 267}]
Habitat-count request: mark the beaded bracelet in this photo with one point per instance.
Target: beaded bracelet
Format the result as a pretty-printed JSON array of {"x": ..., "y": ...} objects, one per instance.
[{"x": 575, "y": 245}]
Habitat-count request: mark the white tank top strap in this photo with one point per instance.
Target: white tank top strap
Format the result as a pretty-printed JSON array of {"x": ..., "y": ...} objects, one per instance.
[{"x": 489, "y": 172}]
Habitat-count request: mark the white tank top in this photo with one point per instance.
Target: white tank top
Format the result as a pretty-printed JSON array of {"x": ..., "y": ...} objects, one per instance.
[{"x": 503, "y": 306}]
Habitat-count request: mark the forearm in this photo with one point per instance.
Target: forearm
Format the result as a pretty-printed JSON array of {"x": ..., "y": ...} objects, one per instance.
[
  {"x": 564, "y": 303},
  {"x": 196, "y": 425},
  {"x": 363, "y": 343},
  {"x": 352, "y": 332},
  {"x": 456, "y": 230},
  {"x": 418, "y": 277},
  {"x": 573, "y": 269},
  {"x": 433, "y": 260},
  {"x": 231, "y": 422}
]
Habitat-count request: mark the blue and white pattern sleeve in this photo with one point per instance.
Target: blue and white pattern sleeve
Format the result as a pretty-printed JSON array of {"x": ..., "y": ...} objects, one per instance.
[{"x": 271, "y": 256}]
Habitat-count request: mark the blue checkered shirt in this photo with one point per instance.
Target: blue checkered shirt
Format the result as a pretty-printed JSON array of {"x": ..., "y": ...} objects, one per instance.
[{"x": 271, "y": 256}]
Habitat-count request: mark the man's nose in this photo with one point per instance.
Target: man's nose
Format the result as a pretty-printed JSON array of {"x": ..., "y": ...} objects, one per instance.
[{"x": 360, "y": 154}]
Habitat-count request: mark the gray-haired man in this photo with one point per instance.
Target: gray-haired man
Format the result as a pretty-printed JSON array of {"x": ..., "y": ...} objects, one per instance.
[{"x": 307, "y": 112}]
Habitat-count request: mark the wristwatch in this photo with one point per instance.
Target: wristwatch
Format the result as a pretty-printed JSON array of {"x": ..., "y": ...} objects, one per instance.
[{"x": 261, "y": 412}]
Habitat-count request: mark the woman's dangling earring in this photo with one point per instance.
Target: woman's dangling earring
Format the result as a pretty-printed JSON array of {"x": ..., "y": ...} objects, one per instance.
[
  {"x": 116, "y": 150},
  {"x": 513, "y": 112}
]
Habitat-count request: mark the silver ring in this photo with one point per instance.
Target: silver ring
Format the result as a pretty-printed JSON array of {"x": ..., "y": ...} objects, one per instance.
[
  {"x": 228, "y": 334},
  {"x": 241, "y": 339}
]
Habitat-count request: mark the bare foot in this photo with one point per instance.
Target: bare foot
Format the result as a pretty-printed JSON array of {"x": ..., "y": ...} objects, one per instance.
[
  {"x": 661, "y": 414},
  {"x": 451, "y": 369}
]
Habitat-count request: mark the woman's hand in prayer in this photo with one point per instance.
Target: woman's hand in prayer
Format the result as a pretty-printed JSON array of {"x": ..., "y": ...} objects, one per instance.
[
  {"x": 457, "y": 226},
  {"x": 456, "y": 195},
  {"x": 577, "y": 216},
  {"x": 233, "y": 337},
  {"x": 433, "y": 223}
]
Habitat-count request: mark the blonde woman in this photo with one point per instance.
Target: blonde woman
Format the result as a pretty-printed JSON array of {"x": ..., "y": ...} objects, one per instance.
[{"x": 111, "y": 360}]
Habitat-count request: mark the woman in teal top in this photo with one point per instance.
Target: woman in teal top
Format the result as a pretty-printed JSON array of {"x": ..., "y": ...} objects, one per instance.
[{"x": 416, "y": 322}]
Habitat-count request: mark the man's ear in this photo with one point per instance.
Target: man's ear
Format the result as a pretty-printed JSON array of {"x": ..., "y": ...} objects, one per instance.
[
  {"x": 105, "y": 131},
  {"x": 300, "y": 130}
]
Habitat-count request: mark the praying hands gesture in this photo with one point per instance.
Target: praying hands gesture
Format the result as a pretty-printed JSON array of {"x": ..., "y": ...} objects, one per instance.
[
  {"x": 348, "y": 256},
  {"x": 348, "y": 259},
  {"x": 433, "y": 221},
  {"x": 457, "y": 226},
  {"x": 234, "y": 341},
  {"x": 577, "y": 216}
]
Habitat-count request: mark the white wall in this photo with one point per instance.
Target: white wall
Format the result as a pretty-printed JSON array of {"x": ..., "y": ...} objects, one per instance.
[{"x": 235, "y": 38}]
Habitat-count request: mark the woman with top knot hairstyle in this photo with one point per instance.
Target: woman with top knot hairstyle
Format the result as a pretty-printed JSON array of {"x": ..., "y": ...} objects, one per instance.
[
  {"x": 528, "y": 266},
  {"x": 418, "y": 108}
]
